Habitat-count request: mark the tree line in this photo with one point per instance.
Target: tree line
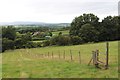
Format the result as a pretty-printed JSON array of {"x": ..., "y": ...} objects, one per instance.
[
  {"x": 89, "y": 29},
  {"x": 84, "y": 28}
]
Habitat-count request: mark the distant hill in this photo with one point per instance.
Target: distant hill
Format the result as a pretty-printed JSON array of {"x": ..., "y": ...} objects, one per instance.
[{"x": 18, "y": 23}]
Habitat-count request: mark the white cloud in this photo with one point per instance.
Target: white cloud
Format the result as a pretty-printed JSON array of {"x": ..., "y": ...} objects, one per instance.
[{"x": 54, "y": 10}]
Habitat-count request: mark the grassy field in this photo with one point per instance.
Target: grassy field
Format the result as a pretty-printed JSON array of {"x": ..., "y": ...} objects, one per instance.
[
  {"x": 28, "y": 63},
  {"x": 63, "y": 32}
]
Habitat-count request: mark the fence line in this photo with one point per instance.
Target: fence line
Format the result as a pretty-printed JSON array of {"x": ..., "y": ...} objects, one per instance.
[{"x": 61, "y": 55}]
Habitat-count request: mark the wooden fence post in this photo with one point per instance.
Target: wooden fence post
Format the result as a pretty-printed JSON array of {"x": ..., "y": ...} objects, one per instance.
[
  {"x": 48, "y": 54},
  {"x": 97, "y": 52},
  {"x": 52, "y": 54},
  {"x": 91, "y": 58},
  {"x": 79, "y": 58},
  {"x": 107, "y": 54},
  {"x": 71, "y": 55},
  {"x": 64, "y": 54},
  {"x": 96, "y": 58}
]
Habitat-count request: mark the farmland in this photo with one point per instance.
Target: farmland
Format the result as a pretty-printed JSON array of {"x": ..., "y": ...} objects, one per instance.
[
  {"x": 28, "y": 63},
  {"x": 45, "y": 52},
  {"x": 66, "y": 32}
]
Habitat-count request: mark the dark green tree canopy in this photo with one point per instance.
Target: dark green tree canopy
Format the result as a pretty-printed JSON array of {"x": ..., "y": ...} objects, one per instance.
[
  {"x": 81, "y": 20},
  {"x": 88, "y": 27},
  {"x": 88, "y": 33},
  {"x": 110, "y": 27},
  {"x": 9, "y": 32}
]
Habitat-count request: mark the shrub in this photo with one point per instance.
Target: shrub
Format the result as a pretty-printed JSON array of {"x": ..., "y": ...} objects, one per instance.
[
  {"x": 54, "y": 40},
  {"x": 18, "y": 43},
  {"x": 37, "y": 39},
  {"x": 60, "y": 40},
  {"x": 76, "y": 40},
  {"x": 46, "y": 43},
  {"x": 63, "y": 40},
  {"x": 33, "y": 45}
]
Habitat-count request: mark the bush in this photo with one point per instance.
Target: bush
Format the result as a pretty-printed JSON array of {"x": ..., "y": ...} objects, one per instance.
[
  {"x": 37, "y": 39},
  {"x": 33, "y": 45},
  {"x": 60, "y": 40},
  {"x": 46, "y": 43},
  {"x": 76, "y": 40},
  {"x": 54, "y": 40},
  {"x": 19, "y": 43},
  {"x": 63, "y": 40},
  {"x": 39, "y": 44}
]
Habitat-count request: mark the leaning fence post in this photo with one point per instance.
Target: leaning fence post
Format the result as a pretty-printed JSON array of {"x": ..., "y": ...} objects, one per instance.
[
  {"x": 79, "y": 58},
  {"x": 91, "y": 58}
]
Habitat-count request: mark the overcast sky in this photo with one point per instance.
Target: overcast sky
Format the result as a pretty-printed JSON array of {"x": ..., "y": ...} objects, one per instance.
[{"x": 54, "y": 11}]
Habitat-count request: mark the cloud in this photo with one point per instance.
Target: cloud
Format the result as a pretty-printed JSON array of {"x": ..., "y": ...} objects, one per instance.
[{"x": 54, "y": 10}]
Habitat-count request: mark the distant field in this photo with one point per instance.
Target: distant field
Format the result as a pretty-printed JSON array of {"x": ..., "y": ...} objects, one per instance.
[
  {"x": 28, "y": 63},
  {"x": 63, "y": 32},
  {"x": 66, "y": 32},
  {"x": 39, "y": 41}
]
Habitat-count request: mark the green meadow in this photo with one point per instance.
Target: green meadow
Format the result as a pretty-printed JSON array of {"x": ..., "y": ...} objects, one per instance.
[
  {"x": 65, "y": 32},
  {"x": 28, "y": 63}
]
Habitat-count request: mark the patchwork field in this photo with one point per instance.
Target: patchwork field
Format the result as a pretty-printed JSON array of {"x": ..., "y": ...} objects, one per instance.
[
  {"x": 66, "y": 32},
  {"x": 35, "y": 63}
]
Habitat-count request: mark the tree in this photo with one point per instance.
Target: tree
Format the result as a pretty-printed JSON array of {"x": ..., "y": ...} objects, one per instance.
[
  {"x": 109, "y": 28},
  {"x": 22, "y": 41},
  {"x": 50, "y": 34},
  {"x": 8, "y": 37},
  {"x": 9, "y": 32},
  {"x": 88, "y": 33},
  {"x": 19, "y": 43},
  {"x": 7, "y": 44},
  {"x": 60, "y": 33},
  {"x": 81, "y": 20}
]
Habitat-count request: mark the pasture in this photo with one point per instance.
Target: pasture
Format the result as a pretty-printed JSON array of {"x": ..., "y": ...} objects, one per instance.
[
  {"x": 65, "y": 32},
  {"x": 28, "y": 63}
]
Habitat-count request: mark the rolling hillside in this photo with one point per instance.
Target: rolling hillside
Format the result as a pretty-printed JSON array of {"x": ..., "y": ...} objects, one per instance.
[{"x": 28, "y": 63}]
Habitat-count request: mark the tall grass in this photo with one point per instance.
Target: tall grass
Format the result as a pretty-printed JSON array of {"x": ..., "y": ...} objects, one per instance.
[{"x": 27, "y": 63}]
